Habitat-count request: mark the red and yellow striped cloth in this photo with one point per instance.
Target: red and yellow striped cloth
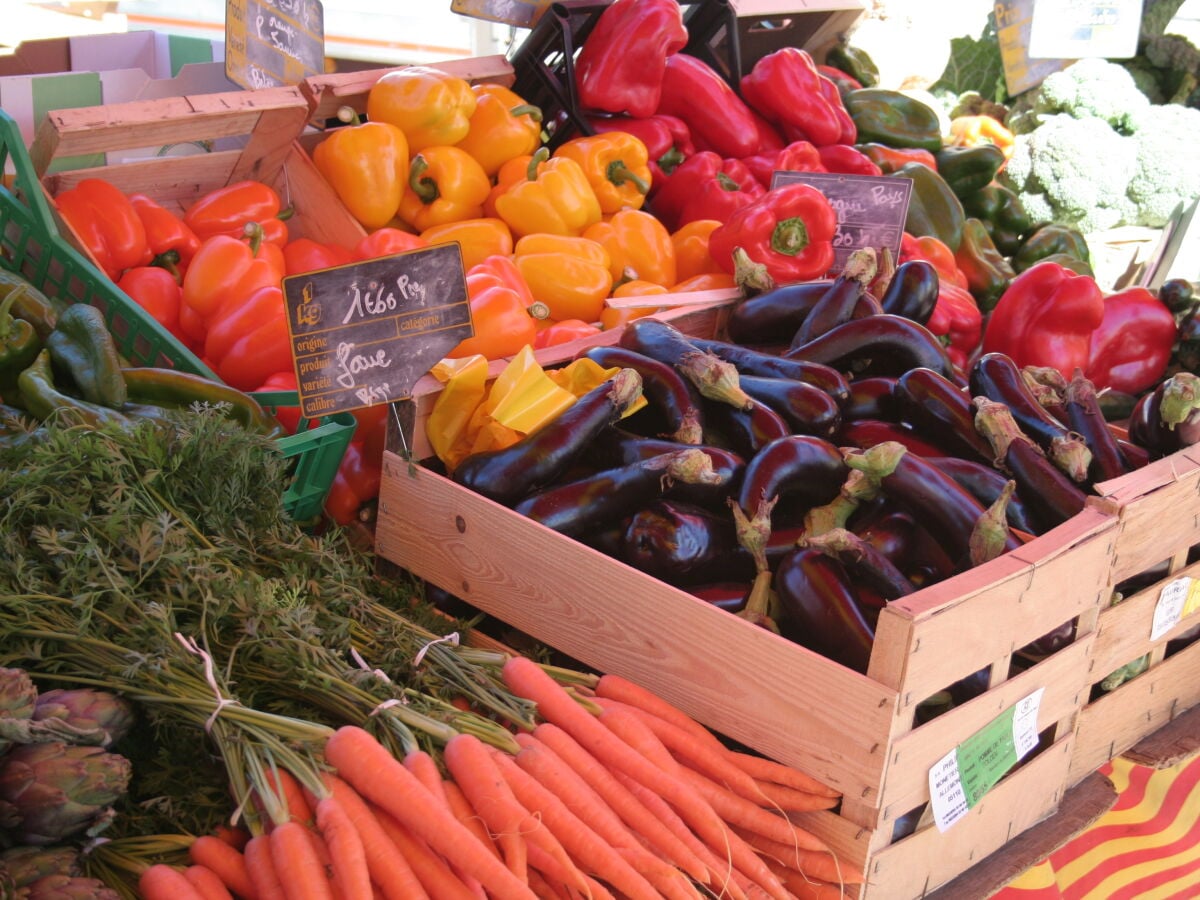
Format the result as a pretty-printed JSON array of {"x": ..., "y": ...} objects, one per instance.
[{"x": 1147, "y": 847}]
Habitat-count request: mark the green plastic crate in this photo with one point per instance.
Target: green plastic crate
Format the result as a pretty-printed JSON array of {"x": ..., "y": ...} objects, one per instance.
[{"x": 31, "y": 246}]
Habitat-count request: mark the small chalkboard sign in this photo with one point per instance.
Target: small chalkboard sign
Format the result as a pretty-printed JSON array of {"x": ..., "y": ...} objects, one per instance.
[
  {"x": 273, "y": 42},
  {"x": 362, "y": 334},
  {"x": 871, "y": 209}
]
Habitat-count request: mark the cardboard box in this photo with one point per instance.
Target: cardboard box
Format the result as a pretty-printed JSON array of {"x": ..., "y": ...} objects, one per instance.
[{"x": 103, "y": 69}]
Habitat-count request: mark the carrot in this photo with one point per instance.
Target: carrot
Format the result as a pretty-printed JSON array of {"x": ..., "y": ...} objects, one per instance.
[
  {"x": 233, "y": 835},
  {"x": 388, "y": 868},
  {"x": 227, "y": 862},
  {"x": 262, "y": 869},
  {"x": 555, "y": 873},
  {"x": 544, "y": 889},
  {"x": 614, "y": 687},
  {"x": 297, "y": 865},
  {"x": 788, "y": 799},
  {"x": 821, "y": 865},
  {"x": 765, "y": 769},
  {"x": 425, "y": 768},
  {"x": 633, "y": 730},
  {"x": 570, "y": 826},
  {"x": 805, "y": 888},
  {"x": 641, "y": 821},
  {"x": 436, "y": 877},
  {"x": 461, "y": 808},
  {"x": 163, "y": 882},
  {"x": 346, "y": 851},
  {"x": 476, "y": 772},
  {"x": 285, "y": 786},
  {"x": 207, "y": 882},
  {"x": 382, "y": 779}
]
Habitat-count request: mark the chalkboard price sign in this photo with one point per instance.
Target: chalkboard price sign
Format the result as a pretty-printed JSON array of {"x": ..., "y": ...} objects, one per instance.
[
  {"x": 362, "y": 334},
  {"x": 273, "y": 42},
  {"x": 871, "y": 209}
]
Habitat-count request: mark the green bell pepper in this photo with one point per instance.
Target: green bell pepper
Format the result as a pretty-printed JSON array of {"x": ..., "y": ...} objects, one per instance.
[
  {"x": 43, "y": 399},
  {"x": 1002, "y": 214},
  {"x": 1067, "y": 261},
  {"x": 895, "y": 119},
  {"x": 82, "y": 347},
  {"x": 855, "y": 62},
  {"x": 987, "y": 272},
  {"x": 967, "y": 169},
  {"x": 19, "y": 345},
  {"x": 933, "y": 209},
  {"x": 1049, "y": 240}
]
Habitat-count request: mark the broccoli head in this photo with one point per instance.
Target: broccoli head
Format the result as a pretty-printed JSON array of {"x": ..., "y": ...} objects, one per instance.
[
  {"x": 1165, "y": 140},
  {"x": 1091, "y": 88}
]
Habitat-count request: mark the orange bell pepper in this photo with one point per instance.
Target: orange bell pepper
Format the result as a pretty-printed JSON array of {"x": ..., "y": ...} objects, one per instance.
[
  {"x": 477, "y": 238},
  {"x": 937, "y": 253},
  {"x": 432, "y": 107},
  {"x": 551, "y": 333},
  {"x": 225, "y": 268},
  {"x": 614, "y": 317},
  {"x": 617, "y": 166},
  {"x": 706, "y": 281},
  {"x": 500, "y": 301},
  {"x": 367, "y": 166},
  {"x": 235, "y": 208},
  {"x": 553, "y": 197},
  {"x": 502, "y": 127},
  {"x": 571, "y": 275},
  {"x": 445, "y": 184},
  {"x": 971, "y": 131},
  {"x": 172, "y": 243},
  {"x": 691, "y": 249},
  {"x": 248, "y": 339},
  {"x": 307, "y": 255},
  {"x": 639, "y": 247},
  {"x": 107, "y": 224},
  {"x": 387, "y": 241},
  {"x": 157, "y": 292}
]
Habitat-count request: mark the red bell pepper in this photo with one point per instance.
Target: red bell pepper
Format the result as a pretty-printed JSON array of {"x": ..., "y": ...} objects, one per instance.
[
  {"x": 891, "y": 159},
  {"x": 1131, "y": 348},
  {"x": 307, "y": 255},
  {"x": 833, "y": 97},
  {"x": 1046, "y": 318},
  {"x": 789, "y": 231},
  {"x": 233, "y": 209},
  {"x": 958, "y": 322},
  {"x": 667, "y": 138},
  {"x": 172, "y": 243},
  {"x": 387, "y": 241},
  {"x": 104, "y": 219},
  {"x": 248, "y": 339},
  {"x": 225, "y": 269},
  {"x": 936, "y": 253},
  {"x": 355, "y": 484},
  {"x": 769, "y": 137},
  {"x": 157, "y": 292},
  {"x": 785, "y": 87},
  {"x": 705, "y": 187},
  {"x": 562, "y": 332},
  {"x": 716, "y": 116},
  {"x": 287, "y": 416},
  {"x": 620, "y": 67},
  {"x": 798, "y": 156},
  {"x": 845, "y": 160},
  {"x": 843, "y": 80}
]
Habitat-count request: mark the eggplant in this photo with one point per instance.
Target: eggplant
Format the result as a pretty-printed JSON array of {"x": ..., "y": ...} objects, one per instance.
[
  {"x": 1137, "y": 456},
  {"x": 912, "y": 291},
  {"x": 819, "y": 608},
  {"x": 1165, "y": 419},
  {"x": 712, "y": 376},
  {"x": 593, "y": 502},
  {"x": 934, "y": 499},
  {"x": 806, "y": 409},
  {"x": 871, "y": 398},
  {"x": 773, "y": 316},
  {"x": 836, "y": 306},
  {"x": 985, "y": 483},
  {"x": 683, "y": 544},
  {"x": 512, "y": 473},
  {"x": 998, "y": 378},
  {"x": 1051, "y": 496},
  {"x": 1087, "y": 420},
  {"x": 865, "y": 565},
  {"x": 662, "y": 385},
  {"x": 866, "y": 433},
  {"x": 755, "y": 362},
  {"x": 727, "y": 595},
  {"x": 899, "y": 537},
  {"x": 940, "y": 410},
  {"x": 616, "y": 447},
  {"x": 744, "y": 431},
  {"x": 802, "y": 470},
  {"x": 877, "y": 345}
]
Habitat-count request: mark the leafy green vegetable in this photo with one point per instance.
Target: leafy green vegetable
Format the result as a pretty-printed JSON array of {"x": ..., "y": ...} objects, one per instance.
[{"x": 975, "y": 65}]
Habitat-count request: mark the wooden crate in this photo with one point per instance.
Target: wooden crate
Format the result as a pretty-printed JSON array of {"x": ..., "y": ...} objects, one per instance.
[
  {"x": 856, "y": 732},
  {"x": 263, "y": 125},
  {"x": 1155, "y": 543}
]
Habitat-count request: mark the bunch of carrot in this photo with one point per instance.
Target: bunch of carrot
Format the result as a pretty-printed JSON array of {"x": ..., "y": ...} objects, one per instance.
[{"x": 614, "y": 793}]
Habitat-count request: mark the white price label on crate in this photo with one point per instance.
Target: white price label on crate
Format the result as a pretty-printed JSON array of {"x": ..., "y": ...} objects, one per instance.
[
  {"x": 1176, "y": 601},
  {"x": 959, "y": 779}
]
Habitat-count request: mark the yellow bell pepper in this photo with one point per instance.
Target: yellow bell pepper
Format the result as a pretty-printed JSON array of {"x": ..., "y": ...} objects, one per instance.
[
  {"x": 617, "y": 166},
  {"x": 571, "y": 275},
  {"x": 502, "y": 127},
  {"x": 971, "y": 131},
  {"x": 639, "y": 247},
  {"x": 366, "y": 165},
  {"x": 691, "y": 249},
  {"x": 431, "y": 107},
  {"x": 445, "y": 184},
  {"x": 553, "y": 197},
  {"x": 477, "y": 238}
]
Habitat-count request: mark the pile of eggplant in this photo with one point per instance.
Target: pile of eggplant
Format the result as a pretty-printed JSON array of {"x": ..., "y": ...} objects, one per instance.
[{"x": 824, "y": 459}]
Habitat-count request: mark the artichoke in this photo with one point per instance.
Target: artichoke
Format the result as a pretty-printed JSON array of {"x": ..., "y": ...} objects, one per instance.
[
  {"x": 59, "y": 789},
  {"x": 17, "y": 699},
  {"x": 27, "y": 864},
  {"x": 100, "y": 717},
  {"x": 64, "y": 887}
]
